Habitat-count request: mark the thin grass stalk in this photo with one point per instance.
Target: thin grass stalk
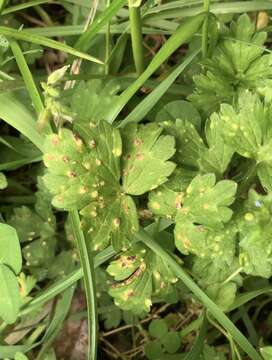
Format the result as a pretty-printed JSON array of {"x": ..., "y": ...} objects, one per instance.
[
  {"x": 86, "y": 259},
  {"x": 136, "y": 36}
]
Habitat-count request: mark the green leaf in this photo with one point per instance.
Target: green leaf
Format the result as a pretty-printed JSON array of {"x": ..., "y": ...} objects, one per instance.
[
  {"x": 10, "y": 299},
  {"x": 18, "y": 116},
  {"x": 237, "y": 63},
  {"x": 41, "y": 40},
  {"x": 216, "y": 244},
  {"x": 179, "y": 37},
  {"x": 27, "y": 77},
  {"x": 167, "y": 198},
  {"x": 171, "y": 342},
  {"x": 179, "y": 110},
  {"x": 86, "y": 176},
  {"x": 211, "y": 306},
  {"x": 264, "y": 171},
  {"x": 63, "y": 265},
  {"x": 245, "y": 129},
  {"x": 91, "y": 101},
  {"x": 105, "y": 142},
  {"x": 189, "y": 144},
  {"x": 149, "y": 102},
  {"x": 248, "y": 131},
  {"x": 84, "y": 41},
  {"x": 213, "y": 278},
  {"x": 153, "y": 350},
  {"x": 217, "y": 156},
  {"x": 206, "y": 202},
  {"x": 40, "y": 252},
  {"x": 3, "y": 181},
  {"x": 139, "y": 274},
  {"x": 254, "y": 235},
  {"x": 61, "y": 311},
  {"x": 71, "y": 170},
  {"x": 112, "y": 219},
  {"x": 158, "y": 328},
  {"x": 210, "y": 353},
  {"x": 10, "y": 251},
  {"x": 191, "y": 151},
  {"x": 266, "y": 352},
  {"x": 145, "y": 155},
  {"x": 30, "y": 225},
  {"x": 20, "y": 356}
]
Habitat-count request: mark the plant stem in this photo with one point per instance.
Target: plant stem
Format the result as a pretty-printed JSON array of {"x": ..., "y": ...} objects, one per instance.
[
  {"x": 87, "y": 263},
  {"x": 108, "y": 44},
  {"x": 136, "y": 37},
  {"x": 205, "y": 29},
  {"x": 210, "y": 305},
  {"x": 44, "y": 15}
]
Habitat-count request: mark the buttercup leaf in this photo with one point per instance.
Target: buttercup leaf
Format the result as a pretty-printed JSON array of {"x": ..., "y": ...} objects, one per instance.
[
  {"x": 167, "y": 198},
  {"x": 206, "y": 202},
  {"x": 140, "y": 274},
  {"x": 145, "y": 158},
  {"x": 189, "y": 144},
  {"x": 112, "y": 217},
  {"x": 71, "y": 170},
  {"x": 237, "y": 63},
  {"x": 254, "y": 223},
  {"x": 179, "y": 110},
  {"x": 217, "y": 156}
]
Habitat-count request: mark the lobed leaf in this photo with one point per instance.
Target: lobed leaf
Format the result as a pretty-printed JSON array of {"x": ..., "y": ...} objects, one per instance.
[{"x": 145, "y": 158}]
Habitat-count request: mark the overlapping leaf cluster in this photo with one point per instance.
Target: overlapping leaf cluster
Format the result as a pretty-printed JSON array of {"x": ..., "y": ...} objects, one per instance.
[
  {"x": 239, "y": 62},
  {"x": 182, "y": 168},
  {"x": 98, "y": 174}
]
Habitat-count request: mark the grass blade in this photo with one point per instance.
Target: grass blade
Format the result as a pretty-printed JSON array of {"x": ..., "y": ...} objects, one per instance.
[
  {"x": 27, "y": 76},
  {"x": 206, "y": 301},
  {"x": 248, "y": 296},
  {"x": 196, "y": 350},
  {"x": 89, "y": 281},
  {"x": 23, "y": 6},
  {"x": 217, "y": 8},
  {"x": 61, "y": 311},
  {"x": 63, "y": 284},
  {"x": 18, "y": 116},
  {"x": 84, "y": 41},
  {"x": 41, "y": 40},
  {"x": 181, "y": 35},
  {"x": 149, "y": 101}
]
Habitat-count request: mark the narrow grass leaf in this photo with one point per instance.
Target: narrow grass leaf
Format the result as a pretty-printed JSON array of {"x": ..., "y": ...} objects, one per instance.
[
  {"x": 23, "y": 6},
  {"x": 89, "y": 281},
  {"x": 182, "y": 34},
  {"x": 41, "y": 40},
  {"x": 218, "y": 9},
  {"x": 61, "y": 310},
  {"x": 248, "y": 296},
  {"x": 84, "y": 41},
  {"x": 151, "y": 100},
  {"x": 18, "y": 116},
  {"x": 27, "y": 76}
]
